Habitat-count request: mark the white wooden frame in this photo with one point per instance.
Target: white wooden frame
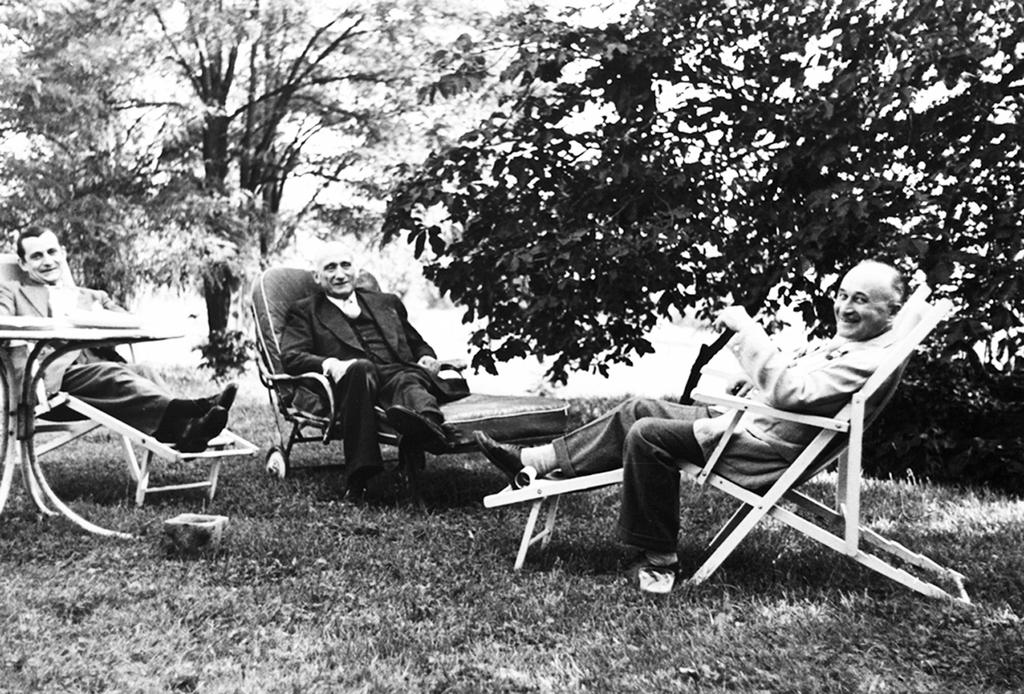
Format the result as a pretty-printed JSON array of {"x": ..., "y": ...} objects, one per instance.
[
  {"x": 140, "y": 467},
  {"x": 916, "y": 321}
]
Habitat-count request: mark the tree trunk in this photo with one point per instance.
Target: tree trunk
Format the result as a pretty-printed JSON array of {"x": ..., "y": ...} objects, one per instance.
[{"x": 217, "y": 294}]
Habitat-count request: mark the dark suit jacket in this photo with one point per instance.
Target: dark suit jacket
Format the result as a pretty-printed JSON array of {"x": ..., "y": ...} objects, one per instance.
[{"x": 316, "y": 329}]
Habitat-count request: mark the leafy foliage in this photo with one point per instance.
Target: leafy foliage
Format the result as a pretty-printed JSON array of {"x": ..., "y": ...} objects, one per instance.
[
  {"x": 162, "y": 139},
  {"x": 73, "y": 158},
  {"x": 706, "y": 151},
  {"x": 226, "y": 353},
  {"x": 948, "y": 425}
]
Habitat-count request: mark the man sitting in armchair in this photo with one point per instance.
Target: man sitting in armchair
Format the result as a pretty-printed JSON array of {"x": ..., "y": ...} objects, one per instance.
[
  {"x": 133, "y": 393},
  {"x": 363, "y": 341}
]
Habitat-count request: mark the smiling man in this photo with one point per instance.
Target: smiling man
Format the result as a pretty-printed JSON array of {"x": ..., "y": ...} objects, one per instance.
[
  {"x": 364, "y": 342},
  {"x": 647, "y": 437},
  {"x": 133, "y": 393}
]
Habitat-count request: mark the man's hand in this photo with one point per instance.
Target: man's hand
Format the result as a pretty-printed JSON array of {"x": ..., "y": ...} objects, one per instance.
[
  {"x": 733, "y": 318},
  {"x": 431, "y": 365},
  {"x": 739, "y": 387},
  {"x": 335, "y": 368}
]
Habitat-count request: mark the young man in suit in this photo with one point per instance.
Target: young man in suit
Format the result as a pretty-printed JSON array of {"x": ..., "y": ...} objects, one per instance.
[
  {"x": 647, "y": 436},
  {"x": 133, "y": 393},
  {"x": 363, "y": 341}
]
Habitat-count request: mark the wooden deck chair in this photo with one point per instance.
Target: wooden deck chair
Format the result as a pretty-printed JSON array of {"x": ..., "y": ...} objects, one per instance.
[
  {"x": 840, "y": 438},
  {"x": 62, "y": 418},
  {"x": 306, "y": 401}
]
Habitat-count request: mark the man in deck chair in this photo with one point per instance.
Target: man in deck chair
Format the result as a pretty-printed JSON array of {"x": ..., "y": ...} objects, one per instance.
[
  {"x": 133, "y": 393},
  {"x": 364, "y": 342},
  {"x": 647, "y": 437}
]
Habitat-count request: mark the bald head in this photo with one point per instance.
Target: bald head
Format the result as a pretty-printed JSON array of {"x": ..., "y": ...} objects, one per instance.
[
  {"x": 869, "y": 296},
  {"x": 334, "y": 271}
]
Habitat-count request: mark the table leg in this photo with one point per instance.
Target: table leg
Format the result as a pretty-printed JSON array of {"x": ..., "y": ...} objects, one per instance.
[
  {"x": 29, "y": 460},
  {"x": 10, "y": 461},
  {"x": 33, "y": 488},
  {"x": 33, "y": 471},
  {"x": 8, "y": 456}
]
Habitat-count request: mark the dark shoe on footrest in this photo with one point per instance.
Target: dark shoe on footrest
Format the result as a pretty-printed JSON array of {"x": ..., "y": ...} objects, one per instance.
[
  {"x": 505, "y": 457},
  {"x": 225, "y": 398},
  {"x": 418, "y": 428},
  {"x": 199, "y": 431}
]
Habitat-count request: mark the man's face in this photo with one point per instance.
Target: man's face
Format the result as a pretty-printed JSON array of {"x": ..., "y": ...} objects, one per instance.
[
  {"x": 43, "y": 259},
  {"x": 334, "y": 273},
  {"x": 864, "y": 304}
]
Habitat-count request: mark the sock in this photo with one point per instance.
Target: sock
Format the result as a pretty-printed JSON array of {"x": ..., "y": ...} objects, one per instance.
[
  {"x": 540, "y": 458},
  {"x": 661, "y": 558}
]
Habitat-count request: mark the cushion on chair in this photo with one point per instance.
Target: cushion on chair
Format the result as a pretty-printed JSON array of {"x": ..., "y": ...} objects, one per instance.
[
  {"x": 507, "y": 417},
  {"x": 273, "y": 293}
]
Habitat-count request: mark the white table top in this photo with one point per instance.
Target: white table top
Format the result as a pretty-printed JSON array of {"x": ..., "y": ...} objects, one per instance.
[{"x": 31, "y": 328}]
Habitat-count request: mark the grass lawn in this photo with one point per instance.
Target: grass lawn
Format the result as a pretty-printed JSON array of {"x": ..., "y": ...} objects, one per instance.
[{"x": 312, "y": 594}]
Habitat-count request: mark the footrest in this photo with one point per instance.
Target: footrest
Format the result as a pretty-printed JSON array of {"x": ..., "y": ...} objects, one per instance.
[
  {"x": 224, "y": 444},
  {"x": 550, "y": 487},
  {"x": 507, "y": 417}
]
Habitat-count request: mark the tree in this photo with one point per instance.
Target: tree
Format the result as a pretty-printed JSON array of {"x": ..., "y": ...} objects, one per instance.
[
  {"x": 192, "y": 119},
  {"x": 73, "y": 155},
  {"x": 706, "y": 151}
]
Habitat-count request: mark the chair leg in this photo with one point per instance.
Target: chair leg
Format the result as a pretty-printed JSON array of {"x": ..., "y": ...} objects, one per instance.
[
  {"x": 876, "y": 563},
  {"x": 411, "y": 460},
  {"x": 212, "y": 479},
  {"x": 544, "y": 536},
  {"x": 738, "y": 515},
  {"x": 142, "y": 481},
  {"x": 524, "y": 544},
  {"x": 738, "y": 527},
  {"x": 286, "y": 448},
  {"x": 549, "y": 524}
]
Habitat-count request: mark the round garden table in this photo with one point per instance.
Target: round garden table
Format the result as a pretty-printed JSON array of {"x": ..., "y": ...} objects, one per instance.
[{"x": 46, "y": 339}]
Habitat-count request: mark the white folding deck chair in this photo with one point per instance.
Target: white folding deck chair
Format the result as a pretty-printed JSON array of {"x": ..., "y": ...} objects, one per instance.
[
  {"x": 62, "y": 429},
  {"x": 841, "y": 437}
]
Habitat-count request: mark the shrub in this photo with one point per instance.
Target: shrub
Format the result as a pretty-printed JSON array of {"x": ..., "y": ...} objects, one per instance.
[
  {"x": 947, "y": 424},
  {"x": 226, "y": 352}
]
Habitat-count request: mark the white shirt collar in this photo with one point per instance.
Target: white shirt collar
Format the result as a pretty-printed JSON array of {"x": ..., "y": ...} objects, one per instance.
[{"x": 349, "y": 306}]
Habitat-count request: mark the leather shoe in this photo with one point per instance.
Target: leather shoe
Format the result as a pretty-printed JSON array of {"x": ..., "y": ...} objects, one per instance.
[
  {"x": 418, "y": 428},
  {"x": 225, "y": 398},
  {"x": 505, "y": 457},
  {"x": 199, "y": 431}
]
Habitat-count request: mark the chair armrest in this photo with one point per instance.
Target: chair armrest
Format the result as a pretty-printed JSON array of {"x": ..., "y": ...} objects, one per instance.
[
  {"x": 457, "y": 365},
  {"x": 733, "y": 402},
  {"x": 320, "y": 379}
]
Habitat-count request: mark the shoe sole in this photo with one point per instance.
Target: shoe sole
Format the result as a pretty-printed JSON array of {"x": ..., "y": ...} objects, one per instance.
[{"x": 416, "y": 428}]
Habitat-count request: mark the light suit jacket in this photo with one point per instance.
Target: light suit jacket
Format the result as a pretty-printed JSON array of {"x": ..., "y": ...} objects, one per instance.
[
  {"x": 817, "y": 381},
  {"x": 34, "y": 300}
]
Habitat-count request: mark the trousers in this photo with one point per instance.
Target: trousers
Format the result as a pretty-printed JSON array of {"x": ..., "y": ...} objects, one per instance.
[
  {"x": 133, "y": 393},
  {"x": 364, "y": 386},
  {"x": 649, "y": 438}
]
